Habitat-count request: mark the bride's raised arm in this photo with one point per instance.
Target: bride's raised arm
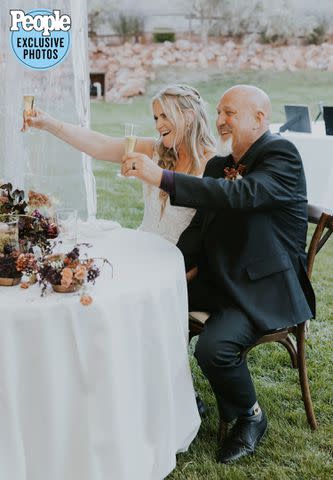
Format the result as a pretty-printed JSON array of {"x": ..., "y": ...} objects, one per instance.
[{"x": 97, "y": 145}]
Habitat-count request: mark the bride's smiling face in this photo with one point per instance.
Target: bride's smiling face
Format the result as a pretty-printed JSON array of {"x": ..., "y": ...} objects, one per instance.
[{"x": 164, "y": 126}]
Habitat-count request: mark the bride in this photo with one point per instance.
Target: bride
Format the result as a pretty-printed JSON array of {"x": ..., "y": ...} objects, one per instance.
[{"x": 185, "y": 144}]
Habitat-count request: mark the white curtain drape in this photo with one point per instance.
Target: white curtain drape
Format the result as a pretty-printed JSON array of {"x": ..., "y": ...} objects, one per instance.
[{"x": 38, "y": 160}]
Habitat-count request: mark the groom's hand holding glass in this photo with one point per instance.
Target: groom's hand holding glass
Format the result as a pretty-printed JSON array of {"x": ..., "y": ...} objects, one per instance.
[{"x": 140, "y": 166}]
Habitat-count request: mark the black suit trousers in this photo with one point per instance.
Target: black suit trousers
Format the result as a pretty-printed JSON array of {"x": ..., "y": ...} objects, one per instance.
[{"x": 227, "y": 333}]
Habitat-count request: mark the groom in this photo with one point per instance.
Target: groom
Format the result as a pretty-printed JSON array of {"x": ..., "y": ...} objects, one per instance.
[{"x": 246, "y": 245}]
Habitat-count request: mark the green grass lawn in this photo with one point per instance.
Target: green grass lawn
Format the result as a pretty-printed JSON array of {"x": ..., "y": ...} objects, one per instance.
[{"x": 290, "y": 450}]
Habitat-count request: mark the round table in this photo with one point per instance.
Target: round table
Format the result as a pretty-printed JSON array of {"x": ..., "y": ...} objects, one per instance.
[
  {"x": 316, "y": 150},
  {"x": 104, "y": 391}
]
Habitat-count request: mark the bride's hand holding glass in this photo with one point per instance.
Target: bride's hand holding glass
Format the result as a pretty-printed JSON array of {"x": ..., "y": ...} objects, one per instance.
[
  {"x": 40, "y": 120},
  {"x": 28, "y": 110},
  {"x": 141, "y": 166}
]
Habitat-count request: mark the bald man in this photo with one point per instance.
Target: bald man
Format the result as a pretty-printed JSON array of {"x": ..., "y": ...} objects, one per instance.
[{"x": 244, "y": 252}]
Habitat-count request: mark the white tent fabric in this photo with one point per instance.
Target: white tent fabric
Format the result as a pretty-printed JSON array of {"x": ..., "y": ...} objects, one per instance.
[{"x": 38, "y": 160}]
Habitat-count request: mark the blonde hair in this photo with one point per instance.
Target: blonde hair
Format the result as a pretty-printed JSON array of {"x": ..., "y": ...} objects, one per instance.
[
  {"x": 186, "y": 110},
  {"x": 177, "y": 101}
]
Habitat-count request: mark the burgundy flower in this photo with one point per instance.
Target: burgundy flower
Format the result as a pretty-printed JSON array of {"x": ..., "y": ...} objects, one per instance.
[{"x": 232, "y": 173}]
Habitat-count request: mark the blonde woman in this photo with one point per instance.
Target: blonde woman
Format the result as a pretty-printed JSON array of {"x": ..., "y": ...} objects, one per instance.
[{"x": 185, "y": 144}]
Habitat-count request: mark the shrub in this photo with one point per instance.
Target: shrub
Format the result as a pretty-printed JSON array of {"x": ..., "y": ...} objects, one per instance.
[
  {"x": 318, "y": 35},
  {"x": 163, "y": 35},
  {"x": 128, "y": 26},
  {"x": 241, "y": 18},
  {"x": 278, "y": 29},
  {"x": 274, "y": 38},
  {"x": 94, "y": 20}
]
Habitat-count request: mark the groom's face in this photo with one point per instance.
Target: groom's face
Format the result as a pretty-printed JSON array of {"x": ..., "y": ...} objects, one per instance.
[{"x": 235, "y": 120}]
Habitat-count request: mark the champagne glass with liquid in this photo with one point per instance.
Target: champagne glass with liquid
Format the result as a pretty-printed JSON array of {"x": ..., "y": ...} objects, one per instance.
[
  {"x": 131, "y": 136},
  {"x": 28, "y": 109}
]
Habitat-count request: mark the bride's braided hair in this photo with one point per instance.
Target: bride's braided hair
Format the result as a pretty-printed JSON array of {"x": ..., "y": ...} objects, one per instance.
[{"x": 186, "y": 110}]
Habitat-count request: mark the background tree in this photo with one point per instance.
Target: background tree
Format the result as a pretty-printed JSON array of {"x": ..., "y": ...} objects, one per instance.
[{"x": 206, "y": 11}]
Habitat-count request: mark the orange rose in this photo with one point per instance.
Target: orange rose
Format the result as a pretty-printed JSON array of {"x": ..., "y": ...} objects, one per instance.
[
  {"x": 66, "y": 277},
  {"x": 86, "y": 300},
  {"x": 66, "y": 283},
  {"x": 80, "y": 272},
  {"x": 67, "y": 272},
  {"x": 37, "y": 199}
]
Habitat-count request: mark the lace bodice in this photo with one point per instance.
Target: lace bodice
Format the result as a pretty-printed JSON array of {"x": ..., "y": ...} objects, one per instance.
[{"x": 174, "y": 219}]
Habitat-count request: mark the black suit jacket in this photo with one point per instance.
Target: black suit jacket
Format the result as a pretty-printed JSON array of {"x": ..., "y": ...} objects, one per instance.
[{"x": 248, "y": 236}]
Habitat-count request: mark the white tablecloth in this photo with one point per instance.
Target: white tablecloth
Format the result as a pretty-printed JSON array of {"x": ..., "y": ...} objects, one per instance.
[
  {"x": 102, "y": 392},
  {"x": 316, "y": 150}
]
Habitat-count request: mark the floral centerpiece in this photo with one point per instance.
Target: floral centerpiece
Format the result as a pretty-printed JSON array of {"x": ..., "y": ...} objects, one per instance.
[
  {"x": 66, "y": 273},
  {"x": 36, "y": 225}
]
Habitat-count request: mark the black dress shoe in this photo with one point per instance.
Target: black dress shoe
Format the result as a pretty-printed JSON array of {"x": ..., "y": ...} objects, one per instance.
[
  {"x": 201, "y": 406},
  {"x": 243, "y": 438}
]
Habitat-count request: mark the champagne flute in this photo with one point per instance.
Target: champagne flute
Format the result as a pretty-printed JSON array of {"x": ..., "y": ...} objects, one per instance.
[
  {"x": 130, "y": 141},
  {"x": 28, "y": 109},
  {"x": 130, "y": 137}
]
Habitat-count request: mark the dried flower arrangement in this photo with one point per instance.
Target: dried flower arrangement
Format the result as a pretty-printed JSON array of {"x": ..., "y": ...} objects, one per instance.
[
  {"x": 35, "y": 228},
  {"x": 66, "y": 273}
]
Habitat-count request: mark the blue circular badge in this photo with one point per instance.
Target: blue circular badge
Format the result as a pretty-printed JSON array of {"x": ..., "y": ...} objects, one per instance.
[{"x": 37, "y": 50}]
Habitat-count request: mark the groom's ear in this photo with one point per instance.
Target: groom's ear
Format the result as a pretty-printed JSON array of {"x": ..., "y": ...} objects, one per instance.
[{"x": 260, "y": 116}]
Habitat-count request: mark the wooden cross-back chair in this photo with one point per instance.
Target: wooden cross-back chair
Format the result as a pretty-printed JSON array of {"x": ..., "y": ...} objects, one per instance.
[{"x": 293, "y": 338}]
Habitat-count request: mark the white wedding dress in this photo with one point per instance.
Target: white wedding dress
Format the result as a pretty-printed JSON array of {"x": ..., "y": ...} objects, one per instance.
[{"x": 174, "y": 219}]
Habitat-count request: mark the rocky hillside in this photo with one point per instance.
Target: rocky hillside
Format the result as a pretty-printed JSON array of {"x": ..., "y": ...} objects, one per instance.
[{"x": 128, "y": 67}]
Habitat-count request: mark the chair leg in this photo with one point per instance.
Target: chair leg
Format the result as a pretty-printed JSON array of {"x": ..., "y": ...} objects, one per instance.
[
  {"x": 290, "y": 344},
  {"x": 303, "y": 376}
]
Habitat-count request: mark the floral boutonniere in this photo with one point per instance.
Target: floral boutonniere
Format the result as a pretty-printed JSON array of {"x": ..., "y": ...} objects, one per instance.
[{"x": 232, "y": 173}]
